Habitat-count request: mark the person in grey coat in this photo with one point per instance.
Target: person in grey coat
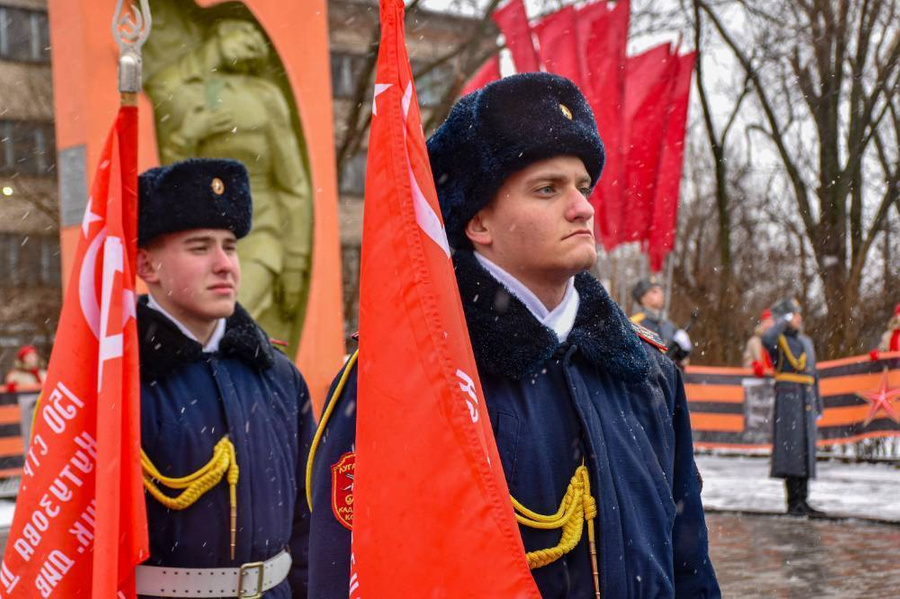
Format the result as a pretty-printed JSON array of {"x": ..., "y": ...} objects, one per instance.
[{"x": 798, "y": 404}]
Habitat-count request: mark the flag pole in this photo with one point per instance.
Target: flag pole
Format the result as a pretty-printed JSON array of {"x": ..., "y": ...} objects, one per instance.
[{"x": 130, "y": 28}]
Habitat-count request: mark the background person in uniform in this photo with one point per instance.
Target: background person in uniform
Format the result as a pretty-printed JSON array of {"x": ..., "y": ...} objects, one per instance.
[
  {"x": 571, "y": 390},
  {"x": 755, "y": 355},
  {"x": 890, "y": 340},
  {"x": 218, "y": 402},
  {"x": 27, "y": 370},
  {"x": 650, "y": 298},
  {"x": 798, "y": 405}
]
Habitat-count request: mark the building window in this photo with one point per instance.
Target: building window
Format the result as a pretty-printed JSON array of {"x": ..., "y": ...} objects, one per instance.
[
  {"x": 27, "y": 147},
  {"x": 29, "y": 260},
  {"x": 24, "y": 35},
  {"x": 353, "y": 175},
  {"x": 345, "y": 72}
]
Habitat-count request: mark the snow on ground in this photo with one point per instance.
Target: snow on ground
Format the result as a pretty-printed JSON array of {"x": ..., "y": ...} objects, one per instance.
[
  {"x": 7, "y": 507},
  {"x": 856, "y": 490}
]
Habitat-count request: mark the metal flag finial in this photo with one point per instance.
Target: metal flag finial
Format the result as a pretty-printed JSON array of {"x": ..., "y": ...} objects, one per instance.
[{"x": 130, "y": 29}]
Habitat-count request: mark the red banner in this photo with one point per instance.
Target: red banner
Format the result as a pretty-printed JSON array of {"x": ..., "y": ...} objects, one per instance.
[
  {"x": 513, "y": 23},
  {"x": 647, "y": 93},
  {"x": 489, "y": 71},
  {"x": 76, "y": 533},
  {"x": 557, "y": 34},
  {"x": 433, "y": 513},
  {"x": 664, "y": 220},
  {"x": 605, "y": 90}
]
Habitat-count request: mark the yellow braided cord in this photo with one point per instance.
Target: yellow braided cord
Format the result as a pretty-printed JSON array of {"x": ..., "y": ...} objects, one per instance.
[
  {"x": 222, "y": 463},
  {"x": 323, "y": 422},
  {"x": 577, "y": 506},
  {"x": 798, "y": 364}
]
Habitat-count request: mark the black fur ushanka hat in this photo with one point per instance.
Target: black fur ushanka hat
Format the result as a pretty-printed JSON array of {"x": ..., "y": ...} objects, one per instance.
[
  {"x": 199, "y": 193},
  {"x": 501, "y": 129}
]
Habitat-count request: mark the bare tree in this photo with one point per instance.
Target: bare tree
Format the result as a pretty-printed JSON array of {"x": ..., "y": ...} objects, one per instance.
[{"x": 825, "y": 78}]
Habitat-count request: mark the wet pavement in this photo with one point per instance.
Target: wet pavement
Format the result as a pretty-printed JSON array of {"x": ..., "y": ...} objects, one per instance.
[
  {"x": 777, "y": 556},
  {"x": 790, "y": 558}
]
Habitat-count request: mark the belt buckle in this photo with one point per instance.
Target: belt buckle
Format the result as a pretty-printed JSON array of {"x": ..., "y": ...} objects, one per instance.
[{"x": 245, "y": 568}]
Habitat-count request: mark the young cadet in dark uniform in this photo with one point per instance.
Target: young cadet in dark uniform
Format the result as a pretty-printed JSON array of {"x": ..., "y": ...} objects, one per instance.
[
  {"x": 650, "y": 299},
  {"x": 798, "y": 405},
  {"x": 226, "y": 419},
  {"x": 571, "y": 388}
]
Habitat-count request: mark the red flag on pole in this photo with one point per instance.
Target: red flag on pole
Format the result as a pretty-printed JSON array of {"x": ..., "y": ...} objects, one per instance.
[
  {"x": 80, "y": 525},
  {"x": 605, "y": 90},
  {"x": 557, "y": 34},
  {"x": 647, "y": 95},
  {"x": 489, "y": 71},
  {"x": 513, "y": 23},
  {"x": 433, "y": 513},
  {"x": 665, "y": 206}
]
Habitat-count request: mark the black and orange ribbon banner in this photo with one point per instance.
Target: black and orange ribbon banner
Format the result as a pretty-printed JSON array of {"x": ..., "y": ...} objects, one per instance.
[{"x": 731, "y": 408}]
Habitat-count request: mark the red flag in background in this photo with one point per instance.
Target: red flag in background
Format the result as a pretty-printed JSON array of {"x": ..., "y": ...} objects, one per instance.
[
  {"x": 665, "y": 206},
  {"x": 558, "y": 37},
  {"x": 585, "y": 17},
  {"x": 433, "y": 515},
  {"x": 489, "y": 71},
  {"x": 80, "y": 525},
  {"x": 513, "y": 23},
  {"x": 647, "y": 95},
  {"x": 605, "y": 90}
]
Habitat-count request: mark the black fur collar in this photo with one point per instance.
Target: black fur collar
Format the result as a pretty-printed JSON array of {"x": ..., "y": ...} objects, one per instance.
[
  {"x": 163, "y": 348},
  {"x": 507, "y": 340}
]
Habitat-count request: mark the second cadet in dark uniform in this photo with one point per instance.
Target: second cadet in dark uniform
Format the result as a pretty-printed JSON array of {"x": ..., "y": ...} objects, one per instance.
[
  {"x": 650, "y": 300},
  {"x": 798, "y": 404},
  {"x": 225, "y": 418},
  {"x": 579, "y": 403}
]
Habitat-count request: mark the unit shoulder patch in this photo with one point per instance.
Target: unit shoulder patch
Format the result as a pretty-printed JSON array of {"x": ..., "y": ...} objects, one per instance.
[
  {"x": 650, "y": 337},
  {"x": 342, "y": 474}
]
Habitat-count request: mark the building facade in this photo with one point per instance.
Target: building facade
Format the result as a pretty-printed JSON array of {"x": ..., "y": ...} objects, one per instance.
[{"x": 29, "y": 214}]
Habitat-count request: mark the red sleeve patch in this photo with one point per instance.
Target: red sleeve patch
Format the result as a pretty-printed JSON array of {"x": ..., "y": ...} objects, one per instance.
[{"x": 342, "y": 474}]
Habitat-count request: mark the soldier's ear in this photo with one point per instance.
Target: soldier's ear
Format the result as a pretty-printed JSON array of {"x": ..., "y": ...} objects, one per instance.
[
  {"x": 478, "y": 230},
  {"x": 147, "y": 267}
]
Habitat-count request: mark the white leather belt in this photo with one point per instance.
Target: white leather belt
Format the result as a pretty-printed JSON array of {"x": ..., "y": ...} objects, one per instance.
[{"x": 247, "y": 581}]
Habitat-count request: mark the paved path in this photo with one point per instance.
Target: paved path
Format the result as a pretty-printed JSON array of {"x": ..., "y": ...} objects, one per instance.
[{"x": 796, "y": 558}]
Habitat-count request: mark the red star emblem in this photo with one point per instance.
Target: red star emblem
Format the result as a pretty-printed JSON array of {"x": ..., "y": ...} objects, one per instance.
[{"x": 880, "y": 399}]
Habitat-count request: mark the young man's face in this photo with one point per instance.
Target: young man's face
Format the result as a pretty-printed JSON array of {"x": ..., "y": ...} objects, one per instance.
[
  {"x": 195, "y": 275},
  {"x": 540, "y": 225},
  {"x": 655, "y": 298}
]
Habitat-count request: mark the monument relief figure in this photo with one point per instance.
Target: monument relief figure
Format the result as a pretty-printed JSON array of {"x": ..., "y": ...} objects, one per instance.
[{"x": 216, "y": 100}]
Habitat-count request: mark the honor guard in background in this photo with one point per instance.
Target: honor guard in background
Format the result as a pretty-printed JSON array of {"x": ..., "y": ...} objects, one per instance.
[
  {"x": 581, "y": 402},
  {"x": 650, "y": 298},
  {"x": 798, "y": 405},
  {"x": 226, "y": 419}
]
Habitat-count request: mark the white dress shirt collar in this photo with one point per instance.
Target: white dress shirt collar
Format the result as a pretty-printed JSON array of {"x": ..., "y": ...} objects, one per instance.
[
  {"x": 560, "y": 320},
  {"x": 211, "y": 346}
]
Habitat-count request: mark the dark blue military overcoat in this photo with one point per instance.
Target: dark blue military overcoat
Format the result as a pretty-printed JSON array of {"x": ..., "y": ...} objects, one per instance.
[
  {"x": 603, "y": 396},
  {"x": 189, "y": 401}
]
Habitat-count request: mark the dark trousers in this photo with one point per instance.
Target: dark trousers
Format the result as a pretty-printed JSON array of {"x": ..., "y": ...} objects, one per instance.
[{"x": 797, "y": 488}]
